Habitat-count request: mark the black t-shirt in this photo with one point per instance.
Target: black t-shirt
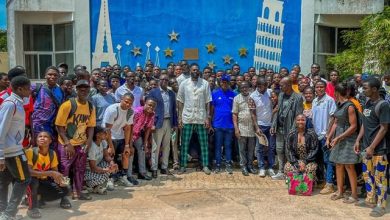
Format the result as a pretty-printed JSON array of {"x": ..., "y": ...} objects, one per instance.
[{"x": 372, "y": 121}]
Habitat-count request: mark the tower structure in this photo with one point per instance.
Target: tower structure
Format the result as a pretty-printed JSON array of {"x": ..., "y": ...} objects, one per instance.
[
  {"x": 104, "y": 52},
  {"x": 269, "y": 36}
]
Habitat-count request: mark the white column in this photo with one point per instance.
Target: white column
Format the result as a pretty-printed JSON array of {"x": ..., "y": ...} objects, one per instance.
[{"x": 307, "y": 35}]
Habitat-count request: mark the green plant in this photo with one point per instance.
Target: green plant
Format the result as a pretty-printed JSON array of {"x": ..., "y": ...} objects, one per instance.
[
  {"x": 3, "y": 40},
  {"x": 369, "y": 47}
]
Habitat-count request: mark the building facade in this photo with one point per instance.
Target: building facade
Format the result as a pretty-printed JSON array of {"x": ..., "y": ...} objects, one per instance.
[{"x": 273, "y": 33}]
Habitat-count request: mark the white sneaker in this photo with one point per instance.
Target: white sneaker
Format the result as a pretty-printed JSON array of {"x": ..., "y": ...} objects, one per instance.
[
  {"x": 110, "y": 184},
  {"x": 278, "y": 176},
  {"x": 124, "y": 182},
  {"x": 262, "y": 173},
  {"x": 271, "y": 172}
]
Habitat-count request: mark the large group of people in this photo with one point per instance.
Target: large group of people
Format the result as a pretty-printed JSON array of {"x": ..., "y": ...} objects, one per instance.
[{"x": 80, "y": 133}]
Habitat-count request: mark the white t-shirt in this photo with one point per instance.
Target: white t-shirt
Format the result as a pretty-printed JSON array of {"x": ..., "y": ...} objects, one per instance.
[
  {"x": 96, "y": 152},
  {"x": 116, "y": 112}
]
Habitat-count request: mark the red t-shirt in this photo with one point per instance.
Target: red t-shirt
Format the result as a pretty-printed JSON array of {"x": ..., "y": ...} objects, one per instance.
[{"x": 330, "y": 89}]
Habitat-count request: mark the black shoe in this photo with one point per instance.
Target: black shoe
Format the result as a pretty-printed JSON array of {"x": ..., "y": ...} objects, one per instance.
[
  {"x": 252, "y": 170},
  {"x": 132, "y": 180},
  {"x": 182, "y": 170},
  {"x": 144, "y": 177},
  {"x": 154, "y": 174},
  {"x": 244, "y": 172},
  {"x": 164, "y": 171}
]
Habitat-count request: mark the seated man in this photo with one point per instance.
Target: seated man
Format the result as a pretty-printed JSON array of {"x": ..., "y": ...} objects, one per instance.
[{"x": 46, "y": 181}]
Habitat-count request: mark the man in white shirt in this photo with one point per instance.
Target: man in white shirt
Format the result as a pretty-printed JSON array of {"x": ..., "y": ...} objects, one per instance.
[
  {"x": 194, "y": 99},
  {"x": 118, "y": 118},
  {"x": 261, "y": 112},
  {"x": 130, "y": 87},
  {"x": 323, "y": 107}
]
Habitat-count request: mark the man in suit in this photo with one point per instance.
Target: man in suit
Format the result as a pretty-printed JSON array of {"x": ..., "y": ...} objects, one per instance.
[{"x": 165, "y": 121}]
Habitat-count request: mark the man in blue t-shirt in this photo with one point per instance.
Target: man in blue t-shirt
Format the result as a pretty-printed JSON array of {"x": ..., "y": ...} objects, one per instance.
[{"x": 221, "y": 112}]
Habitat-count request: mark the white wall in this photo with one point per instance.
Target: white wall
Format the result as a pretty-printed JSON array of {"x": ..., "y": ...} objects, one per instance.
[{"x": 48, "y": 12}]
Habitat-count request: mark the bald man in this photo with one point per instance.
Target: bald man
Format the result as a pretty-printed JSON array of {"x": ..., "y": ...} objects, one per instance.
[{"x": 290, "y": 104}]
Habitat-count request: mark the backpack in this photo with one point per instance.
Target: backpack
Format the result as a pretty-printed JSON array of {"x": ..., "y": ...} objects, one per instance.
[
  {"x": 36, "y": 155},
  {"x": 128, "y": 114},
  {"x": 72, "y": 127},
  {"x": 37, "y": 90}
]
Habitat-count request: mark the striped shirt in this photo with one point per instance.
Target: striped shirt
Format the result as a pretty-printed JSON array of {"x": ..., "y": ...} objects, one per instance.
[{"x": 245, "y": 123}]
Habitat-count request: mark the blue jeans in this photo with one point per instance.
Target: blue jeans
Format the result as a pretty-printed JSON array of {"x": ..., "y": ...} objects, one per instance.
[
  {"x": 223, "y": 137},
  {"x": 329, "y": 166},
  {"x": 260, "y": 150}
]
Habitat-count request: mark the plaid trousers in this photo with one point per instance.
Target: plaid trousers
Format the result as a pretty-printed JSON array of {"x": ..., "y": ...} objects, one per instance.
[{"x": 185, "y": 143}]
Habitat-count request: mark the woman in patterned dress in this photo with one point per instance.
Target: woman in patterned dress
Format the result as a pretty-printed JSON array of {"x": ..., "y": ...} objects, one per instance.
[{"x": 301, "y": 149}]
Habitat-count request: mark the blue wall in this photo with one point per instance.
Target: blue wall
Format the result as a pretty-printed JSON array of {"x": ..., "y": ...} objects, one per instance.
[
  {"x": 228, "y": 24},
  {"x": 3, "y": 15}
]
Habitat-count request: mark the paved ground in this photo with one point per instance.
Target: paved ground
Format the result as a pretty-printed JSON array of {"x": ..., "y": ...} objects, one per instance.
[{"x": 197, "y": 196}]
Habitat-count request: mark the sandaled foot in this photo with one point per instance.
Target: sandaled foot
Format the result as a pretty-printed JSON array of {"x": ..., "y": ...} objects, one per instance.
[
  {"x": 336, "y": 196},
  {"x": 350, "y": 200},
  {"x": 377, "y": 212},
  {"x": 85, "y": 196},
  {"x": 34, "y": 213},
  {"x": 65, "y": 203}
]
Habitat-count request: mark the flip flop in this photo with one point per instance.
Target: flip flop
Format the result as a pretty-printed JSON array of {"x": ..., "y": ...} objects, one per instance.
[
  {"x": 65, "y": 203},
  {"x": 336, "y": 196},
  {"x": 34, "y": 213},
  {"x": 350, "y": 200}
]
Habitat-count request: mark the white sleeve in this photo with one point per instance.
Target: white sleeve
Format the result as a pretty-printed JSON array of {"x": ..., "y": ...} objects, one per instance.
[{"x": 109, "y": 115}]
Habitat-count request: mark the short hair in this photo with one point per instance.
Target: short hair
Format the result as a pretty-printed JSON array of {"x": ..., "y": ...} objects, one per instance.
[
  {"x": 62, "y": 79},
  {"x": 321, "y": 82},
  {"x": 52, "y": 68},
  {"x": 98, "y": 129},
  {"x": 128, "y": 95},
  {"x": 14, "y": 72},
  {"x": 341, "y": 88},
  {"x": 351, "y": 87},
  {"x": 150, "y": 98},
  {"x": 2, "y": 74},
  {"x": 373, "y": 82},
  {"x": 193, "y": 64},
  {"x": 309, "y": 88},
  {"x": 19, "y": 81},
  {"x": 114, "y": 76},
  {"x": 261, "y": 81}
]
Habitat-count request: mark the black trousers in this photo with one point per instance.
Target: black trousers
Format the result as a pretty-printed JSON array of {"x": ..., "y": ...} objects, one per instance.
[{"x": 47, "y": 189}]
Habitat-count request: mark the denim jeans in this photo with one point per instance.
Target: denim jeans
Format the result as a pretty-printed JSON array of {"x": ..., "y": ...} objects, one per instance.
[
  {"x": 260, "y": 150},
  {"x": 223, "y": 137},
  {"x": 329, "y": 166}
]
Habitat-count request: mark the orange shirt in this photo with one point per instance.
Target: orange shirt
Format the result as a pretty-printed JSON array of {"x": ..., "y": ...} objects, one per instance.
[{"x": 357, "y": 104}]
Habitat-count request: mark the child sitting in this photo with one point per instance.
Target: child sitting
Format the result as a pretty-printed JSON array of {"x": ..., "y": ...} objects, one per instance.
[
  {"x": 100, "y": 164},
  {"x": 46, "y": 181}
]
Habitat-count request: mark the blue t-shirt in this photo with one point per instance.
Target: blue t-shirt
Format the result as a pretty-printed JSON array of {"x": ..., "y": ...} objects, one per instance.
[{"x": 223, "y": 105}]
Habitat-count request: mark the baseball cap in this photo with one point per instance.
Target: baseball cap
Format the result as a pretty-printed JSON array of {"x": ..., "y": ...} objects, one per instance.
[{"x": 82, "y": 83}]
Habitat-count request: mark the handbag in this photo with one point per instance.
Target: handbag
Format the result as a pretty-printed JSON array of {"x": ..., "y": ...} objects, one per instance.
[{"x": 300, "y": 184}]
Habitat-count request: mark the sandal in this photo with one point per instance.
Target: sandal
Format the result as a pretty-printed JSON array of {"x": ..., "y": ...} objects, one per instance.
[
  {"x": 350, "y": 200},
  {"x": 100, "y": 190},
  {"x": 336, "y": 196},
  {"x": 84, "y": 196},
  {"x": 365, "y": 204},
  {"x": 34, "y": 213},
  {"x": 65, "y": 203}
]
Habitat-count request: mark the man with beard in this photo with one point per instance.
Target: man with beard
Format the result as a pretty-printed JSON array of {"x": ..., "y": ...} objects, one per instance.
[{"x": 194, "y": 99}]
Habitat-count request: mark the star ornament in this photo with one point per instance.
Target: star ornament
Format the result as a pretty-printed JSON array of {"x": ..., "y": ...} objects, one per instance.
[
  {"x": 173, "y": 36},
  {"x": 136, "y": 51},
  {"x": 210, "y": 48},
  {"x": 168, "y": 52},
  {"x": 243, "y": 52},
  {"x": 211, "y": 64},
  {"x": 227, "y": 59}
]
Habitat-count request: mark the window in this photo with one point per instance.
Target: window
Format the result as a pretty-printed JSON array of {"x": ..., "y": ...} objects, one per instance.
[
  {"x": 266, "y": 13},
  {"x": 277, "y": 16},
  {"x": 328, "y": 42},
  {"x": 47, "y": 45}
]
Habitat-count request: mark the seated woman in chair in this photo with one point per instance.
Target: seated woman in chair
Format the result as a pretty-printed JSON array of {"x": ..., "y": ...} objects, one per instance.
[{"x": 301, "y": 149}]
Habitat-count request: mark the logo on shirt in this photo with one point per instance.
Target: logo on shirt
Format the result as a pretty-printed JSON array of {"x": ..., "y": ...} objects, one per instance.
[{"x": 367, "y": 112}]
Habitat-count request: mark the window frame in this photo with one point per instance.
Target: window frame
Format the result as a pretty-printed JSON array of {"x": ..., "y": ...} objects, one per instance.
[{"x": 53, "y": 53}]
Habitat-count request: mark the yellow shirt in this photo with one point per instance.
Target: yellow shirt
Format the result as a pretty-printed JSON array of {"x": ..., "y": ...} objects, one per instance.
[
  {"x": 295, "y": 88},
  {"x": 306, "y": 106},
  {"x": 43, "y": 162},
  {"x": 82, "y": 119}
]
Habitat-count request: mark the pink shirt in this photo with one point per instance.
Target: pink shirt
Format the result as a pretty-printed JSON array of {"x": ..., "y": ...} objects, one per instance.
[
  {"x": 330, "y": 89},
  {"x": 141, "y": 122}
]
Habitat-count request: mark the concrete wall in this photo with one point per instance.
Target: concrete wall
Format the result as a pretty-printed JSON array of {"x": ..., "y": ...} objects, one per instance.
[
  {"x": 348, "y": 6},
  {"x": 4, "y": 62},
  {"x": 48, "y": 12}
]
